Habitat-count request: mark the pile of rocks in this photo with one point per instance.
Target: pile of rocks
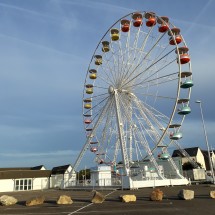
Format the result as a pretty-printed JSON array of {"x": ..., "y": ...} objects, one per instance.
[
  {"x": 156, "y": 195},
  {"x": 6, "y": 200}
]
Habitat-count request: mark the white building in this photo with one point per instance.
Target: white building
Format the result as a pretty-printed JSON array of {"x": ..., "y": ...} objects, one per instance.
[
  {"x": 195, "y": 153},
  {"x": 35, "y": 178},
  {"x": 62, "y": 177},
  {"x": 22, "y": 179},
  {"x": 100, "y": 176}
]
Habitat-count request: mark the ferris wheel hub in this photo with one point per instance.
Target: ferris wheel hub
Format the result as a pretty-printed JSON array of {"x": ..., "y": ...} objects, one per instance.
[{"x": 111, "y": 89}]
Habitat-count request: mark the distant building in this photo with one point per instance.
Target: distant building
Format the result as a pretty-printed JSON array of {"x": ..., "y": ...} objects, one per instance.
[
  {"x": 100, "y": 176},
  {"x": 26, "y": 178},
  {"x": 62, "y": 177},
  {"x": 207, "y": 164},
  {"x": 195, "y": 153},
  {"x": 35, "y": 178}
]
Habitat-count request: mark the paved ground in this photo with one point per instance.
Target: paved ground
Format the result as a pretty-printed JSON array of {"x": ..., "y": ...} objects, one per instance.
[{"x": 201, "y": 205}]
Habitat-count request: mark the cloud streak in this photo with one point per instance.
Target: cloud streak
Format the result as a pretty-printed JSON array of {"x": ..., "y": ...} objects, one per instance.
[{"x": 41, "y": 154}]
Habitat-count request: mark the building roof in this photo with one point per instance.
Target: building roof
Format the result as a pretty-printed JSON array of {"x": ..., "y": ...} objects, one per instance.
[
  {"x": 31, "y": 172},
  {"x": 38, "y": 167},
  {"x": 191, "y": 151},
  {"x": 24, "y": 173},
  {"x": 22, "y": 168},
  {"x": 205, "y": 154},
  {"x": 60, "y": 169}
]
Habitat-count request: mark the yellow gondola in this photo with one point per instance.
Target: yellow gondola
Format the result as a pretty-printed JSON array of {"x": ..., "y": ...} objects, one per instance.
[{"x": 114, "y": 34}]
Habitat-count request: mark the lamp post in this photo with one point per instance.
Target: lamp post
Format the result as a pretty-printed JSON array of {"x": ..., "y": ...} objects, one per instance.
[{"x": 206, "y": 140}]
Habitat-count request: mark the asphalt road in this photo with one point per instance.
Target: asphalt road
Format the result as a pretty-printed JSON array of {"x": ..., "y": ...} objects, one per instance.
[{"x": 202, "y": 204}]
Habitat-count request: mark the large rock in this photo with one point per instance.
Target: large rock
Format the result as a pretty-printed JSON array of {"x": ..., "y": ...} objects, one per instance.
[
  {"x": 97, "y": 197},
  {"x": 64, "y": 200},
  {"x": 186, "y": 194},
  {"x": 128, "y": 198},
  {"x": 212, "y": 194},
  {"x": 35, "y": 201},
  {"x": 156, "y": 195},
  {"x": 7, "y": 200}
]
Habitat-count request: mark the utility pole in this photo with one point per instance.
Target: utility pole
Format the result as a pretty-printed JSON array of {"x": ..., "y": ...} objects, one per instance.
[{"x": 206, "y": 140}]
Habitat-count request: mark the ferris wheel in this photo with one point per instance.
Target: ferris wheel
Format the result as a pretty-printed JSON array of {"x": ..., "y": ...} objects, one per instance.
[{"x": 136, "y": 93}]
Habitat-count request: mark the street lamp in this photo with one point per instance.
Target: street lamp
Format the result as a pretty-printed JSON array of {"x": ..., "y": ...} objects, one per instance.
[{"x": 206, "y": 140}]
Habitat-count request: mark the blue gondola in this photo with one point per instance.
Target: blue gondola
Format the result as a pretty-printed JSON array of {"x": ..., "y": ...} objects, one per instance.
[
  {"x": 184, "y": 110},
  {"x": 187, "y": 84},
  {"x": 176, "y": 136},
  {"x": 164, "y": 156}
]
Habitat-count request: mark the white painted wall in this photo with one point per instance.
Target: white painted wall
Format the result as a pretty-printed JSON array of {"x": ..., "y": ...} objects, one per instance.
[
  {"x": 213, "y": 159},
  {"x": 56, "y": 181},
  {"x": 63, "y": 180},
  {"x": 40, "y": 183},
  {"x": 200, "y": 158},
  {"x": 6, "y": 185},
  {"x": 101, "y": 176}
]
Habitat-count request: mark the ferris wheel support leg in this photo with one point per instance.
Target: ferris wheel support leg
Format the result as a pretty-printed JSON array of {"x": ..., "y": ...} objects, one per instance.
[
  {"x": 121, "y": 135},
  {"x": 145, "y": 144},
  {"x": 86, "y": 145}
]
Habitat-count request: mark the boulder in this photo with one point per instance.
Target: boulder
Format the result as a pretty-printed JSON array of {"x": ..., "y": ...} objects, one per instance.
[
  {"x": 64, "y": 200},
  {"x": 156, "y": 195},
  {"x": 97, "y": 197},
  {"x": 6, "y": 200},
  {"x": 35, "y": 201},
  {"x": 128, "y": 198},
  {"x": 186, "y": 194},
  {"x": 212, "y": 194}
]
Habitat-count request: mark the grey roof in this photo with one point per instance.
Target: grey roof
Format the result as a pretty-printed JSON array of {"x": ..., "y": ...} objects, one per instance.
[
  {"x": 191, "y": 151},
  {"x": 207, "y": 164},
  {"x": 37, "y": 167},
  {"x": 24, "y": 173},
  {"x": 60, "y": 169},
  {"x": 22, "y": 168}
]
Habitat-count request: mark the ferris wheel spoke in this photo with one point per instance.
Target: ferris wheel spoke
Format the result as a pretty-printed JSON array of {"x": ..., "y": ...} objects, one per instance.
[
  {"x": 163, "y": 118},
  {"x": 155, "y": 115},
  {"x": 104, "y": 131},
  {"x": 156, "y": 71},
  {"x": 145, "y": 131},
  {"x": 138, "y": 151},
  {"x": 95, "y": 106},
  {"x": 115, "y": 62},
  {"x": 97, "y": 112},
  {"x": 154, "y": 119},
  {"x": 148, "y": 151},
  {"x": 123, "y": 62},
  {"x": 133, "y": 73},
  {"x": 142, "y": 72},
  {"x": 109, "y": 75},
  {"x": 156, "y": 96},
  {"x": 106, "y": 80},
  {"x": 99, "y": 95},
  {"x": 156, "y": 81},
  {"x": 133, "y": 50},
  {"x": 129, "y": 62},
  {"x": 86, "y": 145},
  {"x": 153, "y": 125},
  {"x": 105, "y": 88}
]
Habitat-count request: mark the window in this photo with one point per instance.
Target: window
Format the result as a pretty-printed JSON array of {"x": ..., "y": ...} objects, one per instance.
[{"x": 23, "y": 184}]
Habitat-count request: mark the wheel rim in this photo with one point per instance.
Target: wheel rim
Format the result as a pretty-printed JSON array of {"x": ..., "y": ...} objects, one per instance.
[{"x": 136, "y": 72}]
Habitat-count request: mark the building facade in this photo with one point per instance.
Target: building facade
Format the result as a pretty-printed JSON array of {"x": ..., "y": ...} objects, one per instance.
[
  {"x": 35, "y": 178},
  {"x": 23, "y": 179}
]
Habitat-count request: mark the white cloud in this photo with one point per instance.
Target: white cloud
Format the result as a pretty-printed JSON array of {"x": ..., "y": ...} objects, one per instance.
[{"x": 40, "y": 154}]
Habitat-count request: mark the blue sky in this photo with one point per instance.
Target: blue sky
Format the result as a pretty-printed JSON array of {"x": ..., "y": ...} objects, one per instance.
[{"x": 45, "y": 50}]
